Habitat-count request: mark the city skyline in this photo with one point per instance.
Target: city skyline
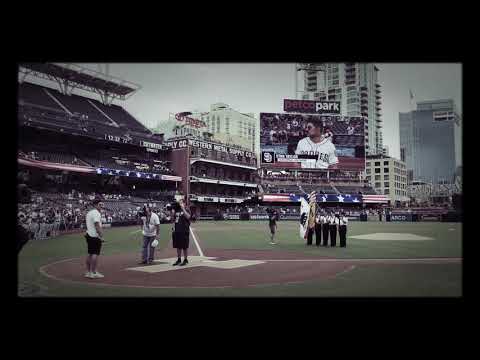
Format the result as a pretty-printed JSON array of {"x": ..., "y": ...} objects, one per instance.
[{"x": 261, "y": 87}]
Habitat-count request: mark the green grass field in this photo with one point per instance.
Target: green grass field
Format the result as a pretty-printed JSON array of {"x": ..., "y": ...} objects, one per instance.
[{"x": 372, "y": 280}]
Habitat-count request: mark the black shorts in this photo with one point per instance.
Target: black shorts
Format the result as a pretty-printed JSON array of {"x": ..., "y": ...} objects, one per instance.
[
  {"x": 273, "y": 228},
  {"x": 180, "y": 240},
  {"x": 94, "y": 245}
]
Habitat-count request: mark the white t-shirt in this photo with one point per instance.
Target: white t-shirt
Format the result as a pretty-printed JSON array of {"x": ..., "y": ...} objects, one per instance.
[
  {"x": 325, "y": 150},
  {"x": 150, "y": 229},
  {"x": 343, "y": 220},
  {"x": 92, "y": 217}
]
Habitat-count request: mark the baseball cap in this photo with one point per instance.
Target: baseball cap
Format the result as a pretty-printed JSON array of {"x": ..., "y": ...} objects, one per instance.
[{"x": 96, "y": 201}]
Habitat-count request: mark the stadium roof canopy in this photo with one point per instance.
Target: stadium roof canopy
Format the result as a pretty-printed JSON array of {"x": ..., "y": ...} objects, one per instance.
[{"x": 71, "y": 76}]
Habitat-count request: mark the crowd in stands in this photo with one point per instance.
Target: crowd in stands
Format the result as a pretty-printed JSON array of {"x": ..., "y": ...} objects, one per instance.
[{"x": 47, "y": 214}]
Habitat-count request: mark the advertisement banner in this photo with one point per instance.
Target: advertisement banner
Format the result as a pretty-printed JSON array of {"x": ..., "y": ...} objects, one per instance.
[
  {"x": 312, "y": 141},
  {"x": 309, "y": 106},
  {"x": 178, "y": 144},
  {"x": 321, "y": 198},
  {"x": 401, "y": 217},
  {"x": 207, "y": 199}
]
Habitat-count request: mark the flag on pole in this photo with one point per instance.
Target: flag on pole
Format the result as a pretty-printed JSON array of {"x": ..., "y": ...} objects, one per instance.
[
  {"x": 307, "y": 213},
  {"x": 304, "y": 214}
]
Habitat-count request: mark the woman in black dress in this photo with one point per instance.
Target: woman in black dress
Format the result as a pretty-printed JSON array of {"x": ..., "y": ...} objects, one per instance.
[{"x": 181, "y": 231}]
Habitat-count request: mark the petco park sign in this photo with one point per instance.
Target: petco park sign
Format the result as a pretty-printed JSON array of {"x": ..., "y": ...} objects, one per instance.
[{"x": 309, "y": 106}]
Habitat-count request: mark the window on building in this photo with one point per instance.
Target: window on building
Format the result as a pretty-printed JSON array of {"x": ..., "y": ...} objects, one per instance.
[
  {"x": 368, "y": 163},
  {"x": 377, "y": 163},
  {"x": 386, "y": 192},
  {"x": 386, "y": 184},
  {"x": 386, "y": 177},
  {"x": 385, "y": 170},
  {"x": 377, "y": 171},
  {"x": 369, "y": 178},
  {"x": 377, "y": 177},
  {"x": 368, "y": 171},
  {"x": 377, "y": 185},
  {"x": 385, "y": 163}
]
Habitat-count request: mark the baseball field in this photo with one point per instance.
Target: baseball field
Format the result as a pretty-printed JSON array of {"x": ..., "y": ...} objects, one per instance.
[{"x": 234, "y": 258}]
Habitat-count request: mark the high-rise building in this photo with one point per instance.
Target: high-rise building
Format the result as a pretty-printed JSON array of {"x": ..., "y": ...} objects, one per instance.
[
  {"x": 225, "y": 125},
  {"x": 429, "y": 141},
  {"x": 385, "y": 151},
  {"x": 388, "y": 176},
  {"x": 355, "y": 86}
]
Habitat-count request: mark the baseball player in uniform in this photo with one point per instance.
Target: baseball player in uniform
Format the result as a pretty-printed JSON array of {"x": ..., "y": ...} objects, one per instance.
[{"x": 319, "y": 146}]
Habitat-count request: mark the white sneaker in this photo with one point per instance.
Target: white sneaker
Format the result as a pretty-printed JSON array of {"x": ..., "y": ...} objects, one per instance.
[
  {"x": 273, "y": 243},
  {"x": 88, "y": 274},
  {"x": 97, "y": 275}
]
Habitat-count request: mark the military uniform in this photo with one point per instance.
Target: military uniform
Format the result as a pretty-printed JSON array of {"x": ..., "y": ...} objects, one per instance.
[
  {"x": 342, "y": 230},
  {"x": 334, "y": 222}
]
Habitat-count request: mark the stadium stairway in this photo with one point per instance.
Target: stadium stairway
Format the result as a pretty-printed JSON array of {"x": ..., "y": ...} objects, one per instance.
[{"x": 334, "y": 188}]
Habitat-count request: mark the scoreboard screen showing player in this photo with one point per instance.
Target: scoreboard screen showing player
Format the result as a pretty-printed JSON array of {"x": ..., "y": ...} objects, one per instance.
[{"x": 312, "y": 141}]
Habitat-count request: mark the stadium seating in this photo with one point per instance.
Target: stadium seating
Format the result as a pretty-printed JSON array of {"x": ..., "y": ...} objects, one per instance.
[
  {"x": 36, "y": 94},
  {"x": 121, "y": 117}
]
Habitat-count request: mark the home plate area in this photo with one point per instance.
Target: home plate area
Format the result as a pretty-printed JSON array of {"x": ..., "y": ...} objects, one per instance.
[
  {"x": 195, "y": 261},
  {"x": 222, "y": 268}
]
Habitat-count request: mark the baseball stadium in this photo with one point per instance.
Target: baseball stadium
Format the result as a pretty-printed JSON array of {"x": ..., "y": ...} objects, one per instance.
[{"x": 255, "y": 216}]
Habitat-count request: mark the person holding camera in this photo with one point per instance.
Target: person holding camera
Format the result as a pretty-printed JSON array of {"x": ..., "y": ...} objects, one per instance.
[
  {"x": 181, "y": 231},
  {"x": 150, "y": 231}
]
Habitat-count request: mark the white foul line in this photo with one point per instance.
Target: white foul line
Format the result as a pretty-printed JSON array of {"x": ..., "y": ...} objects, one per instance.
[
  {"x": 196, "y": 243},
  {"x": 136, "y": 231}
]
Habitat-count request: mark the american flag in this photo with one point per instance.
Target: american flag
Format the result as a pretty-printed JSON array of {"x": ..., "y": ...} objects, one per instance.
[
  {"x": 56, "y": 166},
  {"x": 279, "y": 198},
  {"x": 368, "y": 199}
]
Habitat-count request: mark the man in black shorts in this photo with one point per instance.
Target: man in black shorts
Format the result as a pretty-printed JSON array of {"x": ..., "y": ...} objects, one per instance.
[
  {"x": 181, "y": 231},
  {"x": 272, "y": 223},
  {"x": 94, "y": 238}
]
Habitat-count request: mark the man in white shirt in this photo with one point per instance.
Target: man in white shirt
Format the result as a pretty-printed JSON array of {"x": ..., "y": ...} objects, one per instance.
[
  {"x": 94, "y": 238},
  {"x": 150, "y": 231},
  {"x": 319, "y": 146}
]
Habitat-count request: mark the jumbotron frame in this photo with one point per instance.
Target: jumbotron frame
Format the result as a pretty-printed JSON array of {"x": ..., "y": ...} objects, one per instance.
[{"x": 71, "y": 76}]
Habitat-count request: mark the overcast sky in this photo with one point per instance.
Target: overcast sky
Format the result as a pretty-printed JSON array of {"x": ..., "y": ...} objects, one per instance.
[{"x": 261, "y": 87}]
